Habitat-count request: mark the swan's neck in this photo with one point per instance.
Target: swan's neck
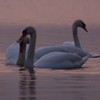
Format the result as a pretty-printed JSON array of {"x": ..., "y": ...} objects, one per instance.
[
  {"x": 31, "y": 50},
  {"x": 75, "y": 36},
  {"x": 21, "y": 56}
]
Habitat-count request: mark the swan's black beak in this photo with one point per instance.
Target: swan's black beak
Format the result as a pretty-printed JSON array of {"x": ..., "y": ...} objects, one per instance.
[
  {"x": 21, "y": 38},
  {"x": 85, "y": 29}
]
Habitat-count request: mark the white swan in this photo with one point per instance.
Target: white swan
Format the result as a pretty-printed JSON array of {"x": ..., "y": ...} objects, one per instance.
[
  {"x": 55, "y": 60},
  {"x": 61, "y": 60},
  {"x": 72, "y": 47},
  {"x": 67, "y": 46}
]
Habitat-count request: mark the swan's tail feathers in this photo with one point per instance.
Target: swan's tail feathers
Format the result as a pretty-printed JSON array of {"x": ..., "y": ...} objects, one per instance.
[
  {"x": 95, "y": 56},
  {"x": 84, "y": 59}
]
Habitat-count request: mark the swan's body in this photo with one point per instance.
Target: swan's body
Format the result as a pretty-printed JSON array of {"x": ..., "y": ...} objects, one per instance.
[
  {"x": 55, "y": 60},
  {"x": 40, "y": 52},
  {"x": 61, "y": 60},
  {"x": 12, "y": 54}
]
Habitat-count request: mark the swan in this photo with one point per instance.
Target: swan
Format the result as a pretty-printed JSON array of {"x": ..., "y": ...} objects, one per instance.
[
  {"x": 73, "y": 47},
  {"x": 55, "y": 60},
  {"x": 15, "y": 54}
]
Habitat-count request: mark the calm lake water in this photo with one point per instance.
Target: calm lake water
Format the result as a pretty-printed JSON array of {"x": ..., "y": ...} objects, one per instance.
[{"x": 46, "y": 84}]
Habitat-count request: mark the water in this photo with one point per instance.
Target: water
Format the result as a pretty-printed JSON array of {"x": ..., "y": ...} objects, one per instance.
[{"x": 46, "y": 84}]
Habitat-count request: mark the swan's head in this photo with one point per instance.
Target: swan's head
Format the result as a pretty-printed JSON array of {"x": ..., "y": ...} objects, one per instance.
[
  {"x": 80, "y": 23},
  {"x": 27, "y": 31}
]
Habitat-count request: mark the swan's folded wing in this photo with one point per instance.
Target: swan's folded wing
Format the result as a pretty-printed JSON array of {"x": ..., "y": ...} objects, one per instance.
[{"x": 58, "y": 60}]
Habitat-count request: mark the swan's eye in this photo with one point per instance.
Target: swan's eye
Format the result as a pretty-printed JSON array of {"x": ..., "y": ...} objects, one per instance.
[
  {"x": 83, "y": 25},
  {"x": 24, "y": 32}
]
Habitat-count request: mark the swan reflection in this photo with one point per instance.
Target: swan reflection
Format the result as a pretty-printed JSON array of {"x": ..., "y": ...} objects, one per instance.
[{"x": 27, "y": 86}]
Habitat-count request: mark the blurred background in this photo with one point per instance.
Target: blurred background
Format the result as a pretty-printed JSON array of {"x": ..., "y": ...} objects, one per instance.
[{"x": 52, "y": 19}]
